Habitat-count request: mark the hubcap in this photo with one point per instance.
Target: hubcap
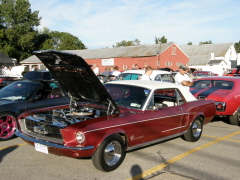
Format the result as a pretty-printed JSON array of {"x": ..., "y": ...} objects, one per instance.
[
  {"x": 238, "y": 115},
  {"x": 112, "y": 153},
  {"x": 7, "y": 126},
  {"x": 196, "y": 128}
]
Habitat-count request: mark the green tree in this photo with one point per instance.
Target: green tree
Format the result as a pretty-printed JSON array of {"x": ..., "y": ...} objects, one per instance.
[
  {"x": 206, "y": 42},
  {"x": 237, "y": 47},
  {"x": 189, "y": 43},
  {"x": 17, "y": 28},
  {"x": 58, "y": 40},
  {"x": 127, "y": 43},
  {"x": 160, "y": 40}
]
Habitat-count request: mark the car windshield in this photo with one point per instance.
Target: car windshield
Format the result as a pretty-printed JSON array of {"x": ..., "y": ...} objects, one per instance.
[
  {"x": 128, "y": 96},
  {"x": 128, "y": 76},
  {"x": 36, "y": 75},
  {"x": 217, "y": 84},
  {"x": 201, "y": 74},
  {"x": 18, "y": 91}
]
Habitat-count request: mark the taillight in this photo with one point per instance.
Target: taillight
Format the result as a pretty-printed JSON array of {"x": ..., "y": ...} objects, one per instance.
[{"x": 220, "y": 106}]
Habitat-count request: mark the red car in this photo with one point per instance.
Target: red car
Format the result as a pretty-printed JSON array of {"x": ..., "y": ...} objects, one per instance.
[
  {"x": 105, "y": 121},
  {"x": 200, "y": 74},
  {"x": 224, "y": 91},
  {"x": 234, "y": 72}
]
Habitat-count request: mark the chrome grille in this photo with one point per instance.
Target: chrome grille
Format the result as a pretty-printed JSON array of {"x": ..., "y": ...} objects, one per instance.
[{"x": 41, "y": 130}]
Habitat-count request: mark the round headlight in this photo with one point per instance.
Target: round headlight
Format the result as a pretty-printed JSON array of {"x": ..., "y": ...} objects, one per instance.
[{"x": 80, "y": 137}]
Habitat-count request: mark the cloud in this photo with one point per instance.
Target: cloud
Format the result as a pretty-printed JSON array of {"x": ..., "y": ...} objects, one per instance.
[{"x": 100, "y": 24}]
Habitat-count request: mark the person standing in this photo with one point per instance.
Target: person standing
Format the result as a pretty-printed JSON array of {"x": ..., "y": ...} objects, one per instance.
[
  {"x": 106, "y": 74},
  {"x": 147, "y": 74},
  {"x": 116, "y": 71},
  {"x": 95, "y": 69},
  {"x": 182, "y": 78},
  {"x": 35, "y": 68},
  {"x": 135, "y": 67}
]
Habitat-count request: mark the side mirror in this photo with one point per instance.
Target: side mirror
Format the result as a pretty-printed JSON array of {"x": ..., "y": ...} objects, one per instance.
[{"x": 35, "y": 97}]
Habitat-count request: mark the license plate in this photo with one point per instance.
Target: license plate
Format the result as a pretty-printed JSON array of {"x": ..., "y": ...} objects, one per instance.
[{"x": 41, "y": 148}]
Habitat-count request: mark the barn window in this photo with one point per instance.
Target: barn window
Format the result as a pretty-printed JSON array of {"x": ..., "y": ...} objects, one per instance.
[
  {"x": 168, "y": 63},
  {"x": 174, "y": 51},
  {"x": 125, "y": 67},
  {"x": 178, "y": 64}
]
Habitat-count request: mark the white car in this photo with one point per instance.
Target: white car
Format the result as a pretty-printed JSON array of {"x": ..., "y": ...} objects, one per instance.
[{"x": 157, "y": 75}]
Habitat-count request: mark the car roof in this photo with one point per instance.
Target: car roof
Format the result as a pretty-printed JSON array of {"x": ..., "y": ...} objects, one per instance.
[
  {"x": 36, "y": 81},
  {"x": 156, "y": 85},
  {"x": 202, "y": 72},
  {"x": 142, "y": 71}
]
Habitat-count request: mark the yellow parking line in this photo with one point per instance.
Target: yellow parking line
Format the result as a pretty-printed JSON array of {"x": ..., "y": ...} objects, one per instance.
[
  {"x": 225, "y": 139},
  {"x": 162, "y": 165},
  {"x": 13, "y": 146}
]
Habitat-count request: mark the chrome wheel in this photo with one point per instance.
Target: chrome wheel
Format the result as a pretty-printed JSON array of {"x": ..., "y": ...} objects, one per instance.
[
  {"x": 196, "y": 128},
  {"x": 194, "y": 131},
  {"x": 235, "y": 118},
  {"x": 112, "y": 153},
  {"x": 8, "y": 125}
]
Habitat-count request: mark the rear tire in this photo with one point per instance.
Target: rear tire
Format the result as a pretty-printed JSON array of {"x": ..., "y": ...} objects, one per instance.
[
  {"x": 110, "y": 154},
  {"x": 235, "y": 118},
  {"x": 194, "y": 132}
]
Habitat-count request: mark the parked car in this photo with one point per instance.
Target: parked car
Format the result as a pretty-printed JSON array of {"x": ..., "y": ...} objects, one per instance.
[
  {"x": 23, "y": 95},
  {"x": 7, "y": 77},
  {"x": 105, "y": 121},
  {"x": 157, "y": 75},
  {"x": 224, "y": 91},
  {"x": 38, "y": 75},
  {"x": 234, "y": 72},
  {"x": 200, "y": 74}
]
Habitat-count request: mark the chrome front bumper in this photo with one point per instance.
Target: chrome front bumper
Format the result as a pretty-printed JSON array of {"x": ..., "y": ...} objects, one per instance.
[{"x": 58, "y": 146}]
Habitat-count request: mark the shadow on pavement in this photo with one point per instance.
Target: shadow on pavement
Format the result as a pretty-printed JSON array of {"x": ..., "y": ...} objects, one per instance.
[{"x": 6, "y": 151}]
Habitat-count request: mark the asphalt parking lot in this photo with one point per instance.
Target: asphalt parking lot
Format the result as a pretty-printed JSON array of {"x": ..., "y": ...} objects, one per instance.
[{"x": 214, "y": 156}]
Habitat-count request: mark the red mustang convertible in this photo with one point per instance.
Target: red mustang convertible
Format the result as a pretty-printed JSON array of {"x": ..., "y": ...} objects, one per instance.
[
  {"x": 105, "y": 121},
  {"x": 224, "y": 90}
]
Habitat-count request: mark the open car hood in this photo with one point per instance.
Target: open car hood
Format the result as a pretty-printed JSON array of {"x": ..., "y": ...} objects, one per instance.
[{"x": 76, "y": 78}]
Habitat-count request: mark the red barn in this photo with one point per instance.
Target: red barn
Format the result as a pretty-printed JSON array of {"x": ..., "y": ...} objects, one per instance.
[
  {"x": 155, "y": 55},
  {"x": 166, "y": 55}
]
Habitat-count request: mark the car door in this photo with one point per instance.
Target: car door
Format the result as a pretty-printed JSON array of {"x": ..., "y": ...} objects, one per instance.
[{"x": 166, "y": 117}]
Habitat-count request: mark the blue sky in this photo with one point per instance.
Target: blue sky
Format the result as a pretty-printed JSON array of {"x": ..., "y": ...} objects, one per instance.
[{"x": 103, "y": 23}]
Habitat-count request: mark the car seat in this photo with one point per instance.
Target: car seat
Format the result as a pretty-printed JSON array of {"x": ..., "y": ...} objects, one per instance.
[{"x": 54, "y": 93}]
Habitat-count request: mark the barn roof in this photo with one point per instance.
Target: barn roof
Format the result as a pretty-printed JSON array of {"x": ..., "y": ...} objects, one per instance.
[
  {"x": 129, "y": 51},
  {"x": 201, "y": 54},
  {"x": 212, "y": 62}
]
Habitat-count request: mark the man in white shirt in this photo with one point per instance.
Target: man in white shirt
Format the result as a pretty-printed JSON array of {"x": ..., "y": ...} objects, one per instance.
[
  {"x": 147, "y": 74},
  {"x": 182, "y": 78}
]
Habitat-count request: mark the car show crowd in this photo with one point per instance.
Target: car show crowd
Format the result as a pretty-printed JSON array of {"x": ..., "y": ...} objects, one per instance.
[{"x": 58, "y": 101}]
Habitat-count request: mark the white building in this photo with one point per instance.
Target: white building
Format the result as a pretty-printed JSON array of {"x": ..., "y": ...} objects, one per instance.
[{"x": 218, "y": 58}]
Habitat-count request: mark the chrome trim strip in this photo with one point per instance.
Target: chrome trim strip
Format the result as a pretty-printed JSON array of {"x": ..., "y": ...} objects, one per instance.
[
  {"x": 174, "y": 129},
  {"x": 155, "y": 141},
  {"x": 134, "y": 122},
  {"x": 17, "y": 133}
]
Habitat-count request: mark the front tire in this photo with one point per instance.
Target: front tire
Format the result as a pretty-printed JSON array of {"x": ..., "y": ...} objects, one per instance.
[
  {"x": 110, "y": 154},
  {"x": 8, "y": 124},
  {"x": 194, "y": 132},
  {"x": 235, "y": 118}
]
